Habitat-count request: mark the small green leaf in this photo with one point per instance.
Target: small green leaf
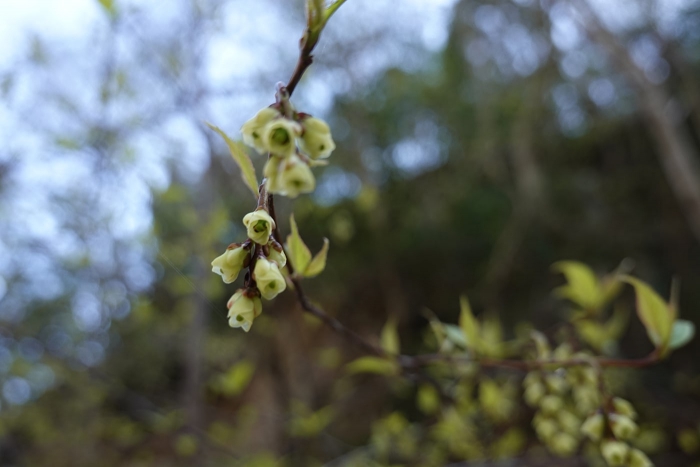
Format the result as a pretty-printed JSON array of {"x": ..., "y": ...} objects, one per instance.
[
  {"x": 299, "y": 253},
  {"x": 311, "y": 424},
  {"x": 541, "y": 344},
  {"x": 582, "y": 288},
  {"x": 241, "y": 158},
  {"x": 455, "y": 335},
  {"x": 468, "y": 324},
  {"x": 428, "y": 399},
  {"x": 491, "y": 337},
  {"x": 683, "y": 332},
  {"x": 318, "y": 264},
  {"x": 109, "y": 6},
  {"x": 236, "y": 379},
  {"x": 186, "y": 445},
  {"x": 332, "y": 8},
  {"x": 375, "y": 365},
  {"x": 390, "y": 337},
  {"x": 656, "y": 315}
]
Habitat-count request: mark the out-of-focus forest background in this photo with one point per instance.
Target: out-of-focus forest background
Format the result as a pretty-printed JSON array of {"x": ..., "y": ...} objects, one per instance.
[{"x": 478, "y": 143}]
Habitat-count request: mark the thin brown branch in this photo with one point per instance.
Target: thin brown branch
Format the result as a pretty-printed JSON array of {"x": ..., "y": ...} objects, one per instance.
[
  {"x": 525, "y": 365},
  {"x": 304, "y": 62},
  {"x": 334, "y": 324}
]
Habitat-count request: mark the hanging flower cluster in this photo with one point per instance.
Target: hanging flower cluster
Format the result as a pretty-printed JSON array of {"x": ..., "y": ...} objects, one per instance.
[
  {"x": 265, "y": 256},
  {"x": 294, "y": 142},
  {"x": 613, "y": 426},
  {"x": 571, "y": 408}
]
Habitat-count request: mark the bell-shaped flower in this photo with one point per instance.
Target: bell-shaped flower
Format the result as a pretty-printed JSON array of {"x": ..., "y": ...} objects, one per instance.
[
  {"x": 271, "y": 173},
  {"x": 623, "y": 427},
  {"x": 295, "y": 177},
  {"x": 624, "y": 407},
  {"x": 259, "y": 225},
  {"x": 268, "y": 278},
  {"x": 615, "y": 453},
  {"x": 231, "y": 262},
  {"x": 563, "y": 444},
  {"x": 279, "y": 136},
  {"x": 242, "y": 310},
  {"x": 594, "y": 426},
  {"x": 316, "y": 140},
  {"x": 277, "y": 254},
  {"x": 639, "y": 459},
  {"x": 253, "y": 129}
]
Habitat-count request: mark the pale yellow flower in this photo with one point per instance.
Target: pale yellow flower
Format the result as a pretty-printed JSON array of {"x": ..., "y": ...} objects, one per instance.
[
  {"x": 252, "y": 130},
  {"x": 260, "y": 226},
  {"x": 622, "y": 426},
  {"x": 295, "y": 177},
  {"x": 230, "y": 263},
  {"x": 242, "y": 310},
  {"x": 277, "y": 254},
  {"x": 615, "y": 453},
  {"x": 593, "y": 427},
  {"x": 268, "y": 278},
  {"x": 639, "y": 459},
  {"x": 279, "y": 136},
  {"x": 316, "y": 141}
]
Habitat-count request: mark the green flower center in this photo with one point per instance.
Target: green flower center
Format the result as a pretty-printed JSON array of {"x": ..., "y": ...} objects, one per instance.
[
  {"x": 271, "y": 285},
  {"x": 280, "y": 136},
  {"x": 239, "y": 318},
  {"x": 260, "y": 226}
]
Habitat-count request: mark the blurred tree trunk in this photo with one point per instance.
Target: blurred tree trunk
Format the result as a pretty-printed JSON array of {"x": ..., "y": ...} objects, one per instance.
[
  {"x": 673, "y": 141},
  {"x": 527, "y": 197},
  {"x": 196, "y": 331}
]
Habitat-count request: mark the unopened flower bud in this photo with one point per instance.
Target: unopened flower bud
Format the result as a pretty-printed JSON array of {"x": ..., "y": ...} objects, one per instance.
[
  {"x": 569, "y": 422},
  {"x": 268, "y": 278},
  {"x": 316, "y": 141},
  {"x": 639, "y": 459},
  {"x": 295, "y": 177},
  {"x": 563, "y": 352},
  {"x": 231, "y": 262},
  {"x": 586, "y": 399},
  {"x": 556, "y": 383},
  {"x": 545, "y": 427},
  {"x": 563, "y": 444},
  {"x": 615, "y": 453},
  {"x": 242, "y": 310},
  {"x": 534, "y": 393},
  {"x": 277, "y": 254},
  {"x": 593, "y": 427},
  {"x": 259, "y": 225},
  {"x": 624, "y": 407},
  {"x": 622, "y": 426},
  {"x": 252, "y": 130},
  {"x": 550, "y": 404},
  {"x": 589, "y": 376},
  {"x": 532, "y": 378},
  {"x": 279, "y": 136}
]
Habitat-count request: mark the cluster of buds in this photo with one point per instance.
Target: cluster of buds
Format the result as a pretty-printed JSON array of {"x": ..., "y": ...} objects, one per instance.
[
  {"x": 561, "y": 398},
  {"x": 266, "y": 256},
  {"x": 556, "y": 422},
  {"x": 294, "y": 141},
  {"x": 613, "y": 426}
]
